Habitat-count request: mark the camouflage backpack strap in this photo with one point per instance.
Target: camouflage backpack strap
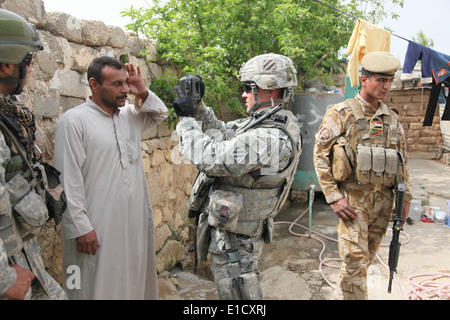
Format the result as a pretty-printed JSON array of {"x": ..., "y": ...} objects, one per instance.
[
  {"x": 362, "y": 125},
  {"x": 358, "y": 113},
  {"x": 392, "y": 120}
]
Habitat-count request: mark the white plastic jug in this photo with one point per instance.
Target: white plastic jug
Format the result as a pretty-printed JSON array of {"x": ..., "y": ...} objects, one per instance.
[{"x": 415, "y": 210}]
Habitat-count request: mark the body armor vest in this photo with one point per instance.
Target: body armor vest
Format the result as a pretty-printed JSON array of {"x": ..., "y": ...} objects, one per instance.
[
  {"x": 243, "y": 204},
  {"x": 27, "y": 212},
  {"x": 373, "y": 147}
]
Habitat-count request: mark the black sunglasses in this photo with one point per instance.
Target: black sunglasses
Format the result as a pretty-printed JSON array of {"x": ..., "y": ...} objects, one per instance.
[
  {"x": 247, "y": 88},
  {"x": 28, "y": 58}
]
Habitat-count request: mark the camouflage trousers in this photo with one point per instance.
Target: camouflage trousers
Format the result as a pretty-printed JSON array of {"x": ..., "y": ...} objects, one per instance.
[
  {"x": 236, "y": 280},
  {"x": 360, "y": 239},
  {"x": 56, "y": 292}
]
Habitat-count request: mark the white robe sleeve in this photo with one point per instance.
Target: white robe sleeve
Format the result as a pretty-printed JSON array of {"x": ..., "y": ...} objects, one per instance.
[
  {"x": 153, "y": 110},
  {"x": 69, "y": 158}
]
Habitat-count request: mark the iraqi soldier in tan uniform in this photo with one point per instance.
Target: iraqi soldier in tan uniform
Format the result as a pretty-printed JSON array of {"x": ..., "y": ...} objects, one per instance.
[
  {"x": 247, "y": 166},
  {"x": 359, "y": 156},
  {"x": 22, "y": 209}
]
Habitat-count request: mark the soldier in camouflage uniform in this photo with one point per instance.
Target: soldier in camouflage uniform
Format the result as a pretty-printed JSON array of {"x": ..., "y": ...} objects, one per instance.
[
  {"x": 359, "y": 156},
  {"x": 248, "y": 172},
  {"x": 22, "y": 208}
]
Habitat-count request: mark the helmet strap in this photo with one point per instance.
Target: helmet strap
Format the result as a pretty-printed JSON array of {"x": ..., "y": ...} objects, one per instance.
[
  {"x": 255, "y": 95},
  {"x": 272, "y": 103}
]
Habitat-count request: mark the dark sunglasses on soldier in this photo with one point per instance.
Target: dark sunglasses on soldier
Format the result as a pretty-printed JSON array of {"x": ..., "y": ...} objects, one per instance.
[
  {"x": 247, "y": 88},
  {"x": 28, "y": 58}
]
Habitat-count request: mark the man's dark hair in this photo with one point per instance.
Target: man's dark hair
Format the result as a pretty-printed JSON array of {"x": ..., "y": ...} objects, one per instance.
[
  {"x": 97, "y": 65},
  {"x": 366, "y": 73},
  {"x": 369, "y": 74}
]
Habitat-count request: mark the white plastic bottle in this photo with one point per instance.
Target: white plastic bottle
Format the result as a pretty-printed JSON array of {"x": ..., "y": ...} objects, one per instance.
[{"x": 415, "y": 210}]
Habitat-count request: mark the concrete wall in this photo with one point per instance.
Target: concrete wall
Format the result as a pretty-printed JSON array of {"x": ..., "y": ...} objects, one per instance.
[{"x": 58, "y": 82}]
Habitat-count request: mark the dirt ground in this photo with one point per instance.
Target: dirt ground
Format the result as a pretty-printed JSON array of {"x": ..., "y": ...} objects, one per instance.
[{"x": 304, "y": 265}]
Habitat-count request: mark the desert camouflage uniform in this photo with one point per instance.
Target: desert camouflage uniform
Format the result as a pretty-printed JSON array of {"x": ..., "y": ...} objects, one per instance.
[
  {"x": 359, "y": 239},
  {"x": 18, "y": 244},
  {"x": 251, "y": 170}
]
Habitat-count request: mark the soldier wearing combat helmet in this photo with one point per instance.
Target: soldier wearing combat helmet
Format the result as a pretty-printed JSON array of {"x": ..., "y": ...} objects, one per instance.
[
  {"x": 23, "y": 212},
  {"x": 246, "y": 169},
  {"x": 359, "y": 157}
]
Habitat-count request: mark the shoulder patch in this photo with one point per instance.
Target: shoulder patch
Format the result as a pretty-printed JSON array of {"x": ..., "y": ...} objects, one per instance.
[{"x": 324, "y": 135}]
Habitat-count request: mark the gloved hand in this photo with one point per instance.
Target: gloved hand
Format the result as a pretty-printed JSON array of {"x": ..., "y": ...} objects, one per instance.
[{"x": 184, "y": 107}]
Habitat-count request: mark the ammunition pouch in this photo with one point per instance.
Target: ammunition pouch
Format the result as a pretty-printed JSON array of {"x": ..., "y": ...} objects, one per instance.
[
  {"x": 340, "y": 164},
  {"x": 224, "y": 208},
  {"x": 376, "y": 165},
  {"x": 27, "y": 205}
]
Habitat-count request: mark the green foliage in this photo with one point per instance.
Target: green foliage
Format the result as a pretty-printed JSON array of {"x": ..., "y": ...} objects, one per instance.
[
  {"x": 423, "y": 39},
  {"x": 214, "y": 38},
  {"x": 164, "y": 87}
]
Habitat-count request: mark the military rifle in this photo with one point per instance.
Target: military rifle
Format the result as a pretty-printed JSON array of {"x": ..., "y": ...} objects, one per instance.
[
  {"x": 394, "y": 247},
  {"x": 257, "y": 119}
]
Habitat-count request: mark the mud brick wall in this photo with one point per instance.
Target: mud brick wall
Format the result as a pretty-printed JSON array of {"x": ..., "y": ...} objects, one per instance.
[{"x": 412, "y": 105}]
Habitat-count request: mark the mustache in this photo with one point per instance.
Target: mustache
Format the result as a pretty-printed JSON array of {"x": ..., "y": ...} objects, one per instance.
[{"x": 124, "y": 96}]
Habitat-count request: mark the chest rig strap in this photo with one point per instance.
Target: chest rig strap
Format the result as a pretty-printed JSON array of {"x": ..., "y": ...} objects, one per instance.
[{"x": 363, "y": 127}]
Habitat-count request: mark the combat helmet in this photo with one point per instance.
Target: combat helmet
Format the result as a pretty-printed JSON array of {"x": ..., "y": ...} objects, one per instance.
[
  {"x": 270, "y": 71},
  {"x": 18, "y": 39}
]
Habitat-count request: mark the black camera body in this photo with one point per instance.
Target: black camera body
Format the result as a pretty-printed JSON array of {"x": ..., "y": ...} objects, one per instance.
[{"x": 190, "y": 85}]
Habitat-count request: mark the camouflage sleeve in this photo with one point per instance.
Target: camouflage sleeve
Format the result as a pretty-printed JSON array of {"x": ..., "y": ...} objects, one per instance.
[
  {"x": 207, "y": 119},
  {"x": 261, "y": 148},
  {"x": 7, "y": 274},
  {"x": 329, "y": 130}
]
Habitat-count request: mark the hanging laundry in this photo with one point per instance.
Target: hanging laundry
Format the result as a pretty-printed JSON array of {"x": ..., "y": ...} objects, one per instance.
[
  {"x": 433, "y": 101},
  {"x": 365, "y": 38},
  {"x": 440, "y": 66},
  {"x": 414, "y": 53},
  {"x": 434, "y": 66}
]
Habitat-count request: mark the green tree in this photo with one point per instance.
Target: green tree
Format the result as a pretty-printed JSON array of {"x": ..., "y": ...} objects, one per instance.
[
  {"x": 423, "y": 39},
  {"x": 214, "y": 37}
]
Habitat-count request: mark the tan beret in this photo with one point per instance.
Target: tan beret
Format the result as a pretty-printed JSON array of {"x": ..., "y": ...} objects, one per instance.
[{"x": 380, "y": 62}]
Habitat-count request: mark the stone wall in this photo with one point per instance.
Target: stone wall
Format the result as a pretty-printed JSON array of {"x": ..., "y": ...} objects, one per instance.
[{"x": 58, "y": 82}]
